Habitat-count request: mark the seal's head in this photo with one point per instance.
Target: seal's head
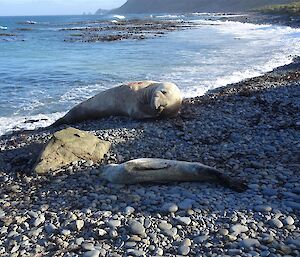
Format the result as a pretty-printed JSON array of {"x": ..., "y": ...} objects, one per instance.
[{"x": 167, "y": 99}]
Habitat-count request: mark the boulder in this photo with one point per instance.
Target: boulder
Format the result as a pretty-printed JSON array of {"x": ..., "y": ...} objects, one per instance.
[{"x": 69, "y": 145}]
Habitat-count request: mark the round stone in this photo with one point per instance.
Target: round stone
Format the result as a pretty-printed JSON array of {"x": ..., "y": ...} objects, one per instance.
[
  {"x": 263, "y": 208},
  {"x": 183, "y": 250},
  {"x": 136, "y": 228},
  {"x": 249, "y": 242},
  {"x": 289, "y": 220},
  {"x": 184, "y": 220},
  {"x": 88, "y": 246},
  {"x": 114, "y": 223},
  {"x": 186, "y": 242},
  {"x": 238, "y": 229},
  {"x": 79, "y": 224},
  {"x": 129, "y": 210},
  {"x": 93, "y": 253},
  {"x": 170, "y": 208},
  {"x": 275, "y": 223},
  {"x": 223, "y": 232}
]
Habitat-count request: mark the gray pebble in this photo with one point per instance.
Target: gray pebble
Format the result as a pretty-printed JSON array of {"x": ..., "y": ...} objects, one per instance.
[
  {"x": 170, "y": 208},
  {"x": 249, "y": 242},
  {"x": 289, "y": 220},
  {"x": 88, "y": 246},
  {"x": 135, "y": 252},
  {"x": 183, "y": 250},
  {"x": 93, "y": 253},
  {"x": 275, "y": 223},
  {"x": 184, "y": 220},
  {"x": 136, "y": 228},
  {"x": 238, "y": 229},
  {"x": 114, "y": 223},
  {"x": 263, "y": 208},
  {"x": 129, "y": 210}
]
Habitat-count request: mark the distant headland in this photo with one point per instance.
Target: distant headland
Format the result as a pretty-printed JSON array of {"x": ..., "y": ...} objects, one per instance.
[{"x": 179, "y": 6}]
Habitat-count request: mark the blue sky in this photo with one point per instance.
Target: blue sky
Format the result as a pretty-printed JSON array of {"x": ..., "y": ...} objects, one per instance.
[{"x": 52, "y": 7}]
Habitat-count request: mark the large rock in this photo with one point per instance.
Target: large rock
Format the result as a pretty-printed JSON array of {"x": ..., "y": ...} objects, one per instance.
[{"x": 69, "y": 145}]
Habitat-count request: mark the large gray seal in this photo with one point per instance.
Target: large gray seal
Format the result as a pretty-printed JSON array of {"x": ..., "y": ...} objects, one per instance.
[
  {"x": 164, "y": 171},
  {"x": 139, "y": 100}
]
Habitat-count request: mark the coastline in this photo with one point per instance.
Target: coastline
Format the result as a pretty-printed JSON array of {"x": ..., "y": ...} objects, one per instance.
[
  {"x": 265, "y": 18},
  {"x": 250, "y": 130}
]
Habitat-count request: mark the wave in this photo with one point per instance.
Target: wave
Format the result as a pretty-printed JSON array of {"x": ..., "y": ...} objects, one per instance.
[
  {"x": 3, "y": 28},
  {"x": 16, "y": 123},
  {"x": 171, "y": 16},
  {"x": 120, "y": 17}
]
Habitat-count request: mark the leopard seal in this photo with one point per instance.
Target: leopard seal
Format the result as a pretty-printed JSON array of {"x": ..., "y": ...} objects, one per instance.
[
  {"x": 148, "y": 170},
  {"x": 139, "y": 100}
]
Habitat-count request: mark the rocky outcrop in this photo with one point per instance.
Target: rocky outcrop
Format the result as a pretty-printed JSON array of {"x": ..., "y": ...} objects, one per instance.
[
  {"x": 69, "y": 145},
  {"x": 179, "y": 6}
]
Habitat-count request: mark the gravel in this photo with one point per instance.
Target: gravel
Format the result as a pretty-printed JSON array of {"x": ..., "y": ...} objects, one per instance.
[{"x": 250, "y": 130}]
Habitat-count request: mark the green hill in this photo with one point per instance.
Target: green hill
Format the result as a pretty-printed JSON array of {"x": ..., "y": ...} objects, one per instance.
[
  {"x": 292, "y": 9},
  {"x": 181, "y": 6}
]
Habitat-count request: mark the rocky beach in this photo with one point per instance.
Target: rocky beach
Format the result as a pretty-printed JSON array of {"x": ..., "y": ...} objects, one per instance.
[{"x": 249, "y": 130}]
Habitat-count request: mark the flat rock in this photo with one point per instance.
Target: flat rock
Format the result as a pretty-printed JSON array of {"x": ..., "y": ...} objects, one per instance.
[
  {"x": 249, "y": 242},
  {"x": 136, "y": 228},
  {"x": 94, "y": 253},
  {"x": 70, "y": 145},
  {"x": 238, "y": 229},
  {"x": 183, "y": 220},
  {"x": 275, "y": 223}
]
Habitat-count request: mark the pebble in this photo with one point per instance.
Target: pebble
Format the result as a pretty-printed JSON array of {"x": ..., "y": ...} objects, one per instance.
[
  {"x": 39, "y": 220},
  {"x": 275, "y": 223},
  {"x": 136, "y": 228},
  {"x": 263, "y": 208},
  {"x": 184, "y": 220},
  {"x": 289, "y": 220},
  {"x": 129, "y": 210},
  {"x": 114, "y": 223},
  {"x": 238, "y": 229},
  {"x": 88, "y": 246},
  {"x": 50, "y": 228},
  {"x": 170, "y": 208},
  {"x": 223, "y": 232},
  {"x": 79, "y": 224},
  {"x": 186, "y": 204},
  {"x": 93, "y": 253},
  {"x": 183, "y": 250},
  {"x": 135, "y": 252},
  {"x": 249, "y": 242}
]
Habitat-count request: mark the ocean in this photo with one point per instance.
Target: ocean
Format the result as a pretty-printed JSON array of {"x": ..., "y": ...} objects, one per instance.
[{"x": 42, "y": 76}]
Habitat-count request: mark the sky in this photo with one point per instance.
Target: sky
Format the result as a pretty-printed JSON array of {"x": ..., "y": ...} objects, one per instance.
[{"x": 54, "y": 7}]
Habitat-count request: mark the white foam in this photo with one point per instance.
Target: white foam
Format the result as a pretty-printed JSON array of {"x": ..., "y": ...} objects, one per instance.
[
  {"x": 76, "y": 95},
  {"x": 15, "y": 123},
  {"x": 170, "y": 16},
  {"x": 3, "y": 28},
  {"x": 120, "y": 17}
]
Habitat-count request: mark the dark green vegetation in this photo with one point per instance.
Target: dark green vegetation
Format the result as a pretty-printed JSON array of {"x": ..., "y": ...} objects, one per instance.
[
  {"x": 292, "y": 9},
  {"x": 180, "y": 6}
]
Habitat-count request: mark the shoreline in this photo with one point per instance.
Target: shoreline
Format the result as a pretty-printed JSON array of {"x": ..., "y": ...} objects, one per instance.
[
  {"x": 265, "y": 18},
  {"x": 249, "y": 130}
]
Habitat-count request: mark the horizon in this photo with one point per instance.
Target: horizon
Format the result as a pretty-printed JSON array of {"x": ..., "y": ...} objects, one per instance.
[{"x": 14, "y": 8}]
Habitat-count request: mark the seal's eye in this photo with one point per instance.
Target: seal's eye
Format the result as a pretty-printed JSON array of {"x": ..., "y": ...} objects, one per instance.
[{"x": 164, "y": 92}]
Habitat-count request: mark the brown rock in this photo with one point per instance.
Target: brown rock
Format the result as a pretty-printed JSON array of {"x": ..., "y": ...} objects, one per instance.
[{"x": 69, "y": 145}]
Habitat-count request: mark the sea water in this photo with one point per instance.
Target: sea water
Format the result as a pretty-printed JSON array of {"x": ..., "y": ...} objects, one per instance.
[{"x": 42, "y": 76}]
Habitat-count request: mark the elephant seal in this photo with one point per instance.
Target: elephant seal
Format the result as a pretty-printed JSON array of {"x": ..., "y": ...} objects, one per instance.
[
  {"x": 139, "y": 100},
  {"x": 164, "y": 171}
]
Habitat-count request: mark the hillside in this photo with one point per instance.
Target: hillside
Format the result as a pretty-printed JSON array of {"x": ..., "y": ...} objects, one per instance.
[
  {"x": 292, "y": 9},
  {"x": 178, "y": 6}
]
